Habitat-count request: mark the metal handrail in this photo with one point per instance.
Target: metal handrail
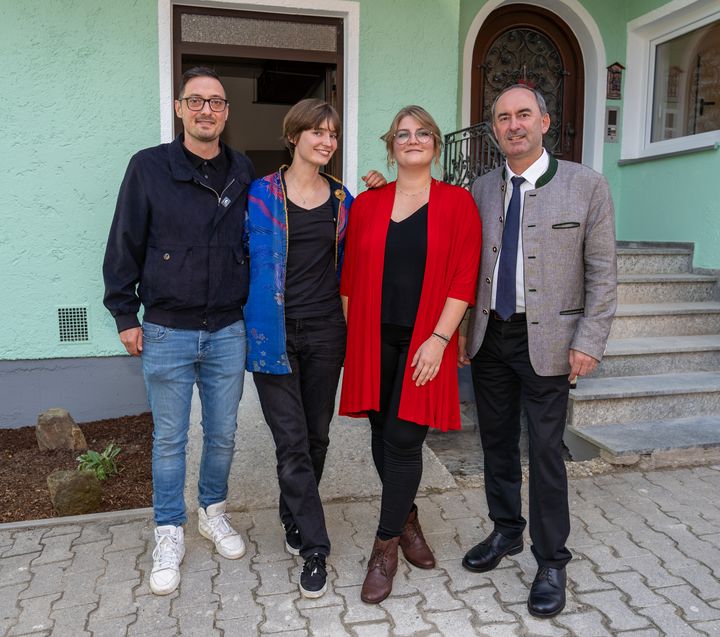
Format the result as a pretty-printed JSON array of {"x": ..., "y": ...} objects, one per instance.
[{"x": 470, "y": 153}]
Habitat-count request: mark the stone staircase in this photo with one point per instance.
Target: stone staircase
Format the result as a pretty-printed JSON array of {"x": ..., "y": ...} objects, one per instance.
[{"x": 655, "y": 398}]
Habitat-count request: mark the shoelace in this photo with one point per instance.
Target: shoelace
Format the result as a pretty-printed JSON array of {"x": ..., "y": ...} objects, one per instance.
[
  {"x": 314, "y": 564},
  {"x": 220, "y": 525},
  {"x": 414, "y": 531},
  {"x": 377, "y": 560},
  {"x": 542, "y": 574},
  {"x": 166, "y": 552}
]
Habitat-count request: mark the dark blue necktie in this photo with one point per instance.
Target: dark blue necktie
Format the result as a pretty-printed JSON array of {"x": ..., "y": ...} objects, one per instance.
[{"x": 505, "y": 295}]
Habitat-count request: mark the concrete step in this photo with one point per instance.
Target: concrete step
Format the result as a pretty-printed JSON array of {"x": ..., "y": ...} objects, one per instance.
[
  {"x": 671, "y": 288},
  {"x": 666, "y": 319},
  {"x": 650, "y": 445},
  {"x": 650, "y": 259},
  {"x": 660, "y": 355},
  {"x": 599, "y": 401},
  {"x": 654, "y": 435}
]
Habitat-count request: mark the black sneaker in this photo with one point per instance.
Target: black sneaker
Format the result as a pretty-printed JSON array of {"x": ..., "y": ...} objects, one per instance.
[
  {"x": 293, "y": 543},
  {"x": 313, "y": 579}
]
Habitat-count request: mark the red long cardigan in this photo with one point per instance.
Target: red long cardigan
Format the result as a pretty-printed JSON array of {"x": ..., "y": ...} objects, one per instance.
[{"x": 451, "y": 270}]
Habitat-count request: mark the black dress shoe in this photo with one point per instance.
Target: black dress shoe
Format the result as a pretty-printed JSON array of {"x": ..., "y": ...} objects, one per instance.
[
  {"x": 487, "y": 555},
  {"x": 547, "y": 594}
]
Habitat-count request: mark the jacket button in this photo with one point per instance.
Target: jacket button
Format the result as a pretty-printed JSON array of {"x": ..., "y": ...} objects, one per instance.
[
  {"x": 501, "y": 219},
  {"x": 166, "y": 257},
  {"x": 485, "y": 312},
  {"x": 494, "y": 248},
  {"x": 487, "y": 279}
]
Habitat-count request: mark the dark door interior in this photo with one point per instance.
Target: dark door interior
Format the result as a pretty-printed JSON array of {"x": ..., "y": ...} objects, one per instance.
[{"x": 267, "y": 63}]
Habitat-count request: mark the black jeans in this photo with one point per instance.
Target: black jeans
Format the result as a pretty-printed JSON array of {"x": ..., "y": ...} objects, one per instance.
[
  {"x": 298, "y": 408},
  {"x": 396, "y": 444},
  {"x": 500, "y": 370}
]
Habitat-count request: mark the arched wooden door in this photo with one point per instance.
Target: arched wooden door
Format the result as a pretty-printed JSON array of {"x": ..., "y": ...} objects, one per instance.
[{"x": 520, "y": 43}]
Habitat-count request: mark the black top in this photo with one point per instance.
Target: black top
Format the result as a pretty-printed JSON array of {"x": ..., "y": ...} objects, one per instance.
[
  {"x": 212, "y": 171},
  {"x": 311, "y": 287},
  {"x": 405, "y": 253}
]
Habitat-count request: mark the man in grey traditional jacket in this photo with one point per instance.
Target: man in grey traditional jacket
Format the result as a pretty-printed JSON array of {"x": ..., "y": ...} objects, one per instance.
[{"x": 545, "y": 301}]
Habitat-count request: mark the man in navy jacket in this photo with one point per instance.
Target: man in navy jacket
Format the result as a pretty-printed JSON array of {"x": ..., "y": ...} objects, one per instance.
[{"x": 175, "y": 246}]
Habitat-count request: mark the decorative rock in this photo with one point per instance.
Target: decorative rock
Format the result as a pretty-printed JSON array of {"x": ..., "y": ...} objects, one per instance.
[
  {"x": 74, "y": 492},
  {"x": 56, "y": 429}
]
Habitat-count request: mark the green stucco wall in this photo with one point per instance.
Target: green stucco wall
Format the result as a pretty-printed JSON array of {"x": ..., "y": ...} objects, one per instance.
[
  {"x": 662, "y": 200},
  {"x": 83, "y": 89},
  {"x": 408, "y": 55},
  {"x": 82, "y": 81}
]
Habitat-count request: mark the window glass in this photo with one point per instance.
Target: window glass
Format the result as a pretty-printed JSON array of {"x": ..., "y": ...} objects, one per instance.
[{"x": 686, "y": 90}]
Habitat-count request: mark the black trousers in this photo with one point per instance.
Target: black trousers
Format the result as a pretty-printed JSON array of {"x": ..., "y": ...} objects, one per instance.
[
  {"x": 396, "y": 443},
  {"x": 501, "y": 370},
  {"x": 298, "y": 408}
]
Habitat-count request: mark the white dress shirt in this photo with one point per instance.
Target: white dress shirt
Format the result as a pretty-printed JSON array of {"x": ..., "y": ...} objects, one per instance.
[{"x": 531, "y": 175}]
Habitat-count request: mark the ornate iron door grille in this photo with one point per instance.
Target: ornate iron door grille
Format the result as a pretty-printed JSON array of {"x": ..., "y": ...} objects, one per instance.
[{"x": 526, "y": 56}]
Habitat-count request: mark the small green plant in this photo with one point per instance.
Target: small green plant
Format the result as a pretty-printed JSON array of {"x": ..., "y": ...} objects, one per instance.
[{"x": 103, "y": 465}]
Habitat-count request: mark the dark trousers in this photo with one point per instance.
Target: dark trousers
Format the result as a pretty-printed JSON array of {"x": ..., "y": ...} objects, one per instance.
[
  {"x": 298, "y": 408},
  {"x": 501, "y": 370},
  {"x": 396, "y": 443}
]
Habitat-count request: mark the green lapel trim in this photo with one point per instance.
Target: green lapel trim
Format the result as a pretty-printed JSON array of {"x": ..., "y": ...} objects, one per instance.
[
  {"x": 545, "y": 177},
  {"x": 549, "y": 173}
]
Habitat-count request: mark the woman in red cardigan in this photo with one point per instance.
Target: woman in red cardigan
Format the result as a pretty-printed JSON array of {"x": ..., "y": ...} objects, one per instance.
[{"x": 411, "y": 265}]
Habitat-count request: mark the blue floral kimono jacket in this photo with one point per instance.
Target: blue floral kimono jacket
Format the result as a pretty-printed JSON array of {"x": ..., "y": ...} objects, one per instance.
[{"x": 266, "y": 236}]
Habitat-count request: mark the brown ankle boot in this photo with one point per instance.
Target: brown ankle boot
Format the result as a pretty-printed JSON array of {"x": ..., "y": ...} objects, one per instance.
[
  {"x": 382, "y": 567},
  {"x": 413, "y": 544}
]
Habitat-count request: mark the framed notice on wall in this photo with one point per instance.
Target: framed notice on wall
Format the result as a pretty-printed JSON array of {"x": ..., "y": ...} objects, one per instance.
[{"x": 614, "y": 81}]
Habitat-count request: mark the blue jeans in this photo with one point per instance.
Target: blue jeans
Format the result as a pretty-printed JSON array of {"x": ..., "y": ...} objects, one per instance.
[{"x": 173, "y": 360}]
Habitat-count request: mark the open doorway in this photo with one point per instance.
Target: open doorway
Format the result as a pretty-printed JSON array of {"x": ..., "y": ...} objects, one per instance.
[
  {"x": 267, "y": 63},
  {"x": 260, "y": 93}
]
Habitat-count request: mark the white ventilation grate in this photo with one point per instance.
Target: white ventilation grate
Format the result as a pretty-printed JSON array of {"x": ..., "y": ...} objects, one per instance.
[{"x": 73, "y": 324}]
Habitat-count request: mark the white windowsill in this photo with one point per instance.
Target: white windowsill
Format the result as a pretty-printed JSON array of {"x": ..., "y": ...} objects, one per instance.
[{"x": 667, "y": 154}]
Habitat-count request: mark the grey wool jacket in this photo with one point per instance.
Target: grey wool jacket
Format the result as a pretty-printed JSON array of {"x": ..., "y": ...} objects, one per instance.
[{"x": 568, "y": 239}]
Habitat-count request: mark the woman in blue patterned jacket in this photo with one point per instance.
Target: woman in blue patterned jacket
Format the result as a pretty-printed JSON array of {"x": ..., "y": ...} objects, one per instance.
[{"x": 296, "y": 225}]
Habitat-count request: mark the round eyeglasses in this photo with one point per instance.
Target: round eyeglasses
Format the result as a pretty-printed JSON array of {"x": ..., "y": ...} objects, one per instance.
[
  {"x": 194, "y": 103},
  {"x": 422, "y": 136}
]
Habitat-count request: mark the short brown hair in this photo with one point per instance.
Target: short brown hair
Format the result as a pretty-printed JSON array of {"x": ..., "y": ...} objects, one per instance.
[
  {"x": 424, "y": 119},
  {"x": 306, "y": 115}
]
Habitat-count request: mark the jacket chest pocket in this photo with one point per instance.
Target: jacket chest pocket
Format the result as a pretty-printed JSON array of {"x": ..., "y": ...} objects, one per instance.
[{"x": 563, "y": 231}]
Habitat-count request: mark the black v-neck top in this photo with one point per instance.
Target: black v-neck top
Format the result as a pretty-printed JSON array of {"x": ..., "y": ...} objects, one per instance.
[{"x": 404, "y": 269}]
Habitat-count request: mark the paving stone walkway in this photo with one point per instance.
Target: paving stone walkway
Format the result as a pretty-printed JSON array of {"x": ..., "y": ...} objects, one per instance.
[{"x": 647, "y": 563}]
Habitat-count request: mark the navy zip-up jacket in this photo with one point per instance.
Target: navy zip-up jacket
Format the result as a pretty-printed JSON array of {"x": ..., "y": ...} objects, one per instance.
[{"x": 176, "y": 245}]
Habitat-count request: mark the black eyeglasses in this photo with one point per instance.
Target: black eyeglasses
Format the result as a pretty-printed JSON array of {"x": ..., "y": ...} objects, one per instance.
[{"x": 194, "y": 103}]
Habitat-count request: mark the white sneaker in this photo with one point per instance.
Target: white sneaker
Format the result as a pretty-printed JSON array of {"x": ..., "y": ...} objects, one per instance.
[
  {"x": 167, "y": 556},
  {"x": 214, "y": 524}
]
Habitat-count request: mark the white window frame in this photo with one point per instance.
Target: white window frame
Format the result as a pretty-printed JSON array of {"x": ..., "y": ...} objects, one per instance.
[{"x": 645, "y": 34}]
